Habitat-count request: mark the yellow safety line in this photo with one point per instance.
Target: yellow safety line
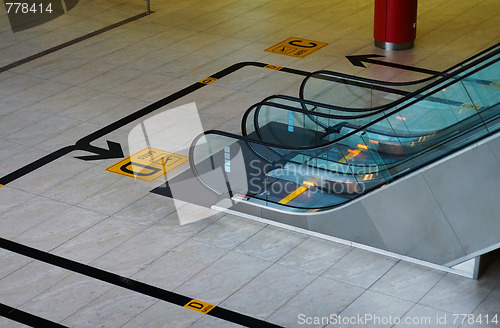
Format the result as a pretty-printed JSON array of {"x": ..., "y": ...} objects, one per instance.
[
  {"x": 294, "y": 194},
  {"x": 301, "y": 189},
  {"x": 351, "y": 154},
  {"x": 1, "y": 185}
]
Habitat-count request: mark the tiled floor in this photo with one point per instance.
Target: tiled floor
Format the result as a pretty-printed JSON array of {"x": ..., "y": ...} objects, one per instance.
[{"x": 78, "y": 211}]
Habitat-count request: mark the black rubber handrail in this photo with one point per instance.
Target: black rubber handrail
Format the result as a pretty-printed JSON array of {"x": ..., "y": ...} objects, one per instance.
[
  {"x": 366, "y": 81},
  {"x": 451, "y": 79}
]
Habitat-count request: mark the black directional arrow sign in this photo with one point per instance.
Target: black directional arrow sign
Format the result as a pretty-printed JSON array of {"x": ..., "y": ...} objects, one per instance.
[
  {"x": 358, "y": 60},
  {"x": 114, "y": 151}
]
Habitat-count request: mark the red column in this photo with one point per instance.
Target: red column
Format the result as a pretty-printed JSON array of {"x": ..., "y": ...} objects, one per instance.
[{"x": 395, "y": 24}]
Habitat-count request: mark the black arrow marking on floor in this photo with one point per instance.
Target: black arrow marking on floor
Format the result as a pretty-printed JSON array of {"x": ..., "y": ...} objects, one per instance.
[
  {"x": 26, "y": 318},
  {"x": 357, "y": 60},
  {"x": 115, "y": 150},
  {"x": 130, "y": 284}
]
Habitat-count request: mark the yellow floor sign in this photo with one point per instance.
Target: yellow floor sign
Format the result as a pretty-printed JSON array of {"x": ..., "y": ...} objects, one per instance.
[
  {"x": 296, "y": 47},
  {"x": 148, "y": 164},
  {"x": 199, "y": 306},
  {"x": 208, "y": 80}
]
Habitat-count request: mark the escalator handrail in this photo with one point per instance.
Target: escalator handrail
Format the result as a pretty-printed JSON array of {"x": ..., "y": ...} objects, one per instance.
[
  {"x": 397, "y": 102},
  {"x": 257, "y": 107},
  {"x": 387, "y": 83},
  {"x": 375, "y": 110},
  {"x": 330, "y": 106},
  {"x": 292, "y": 109}
]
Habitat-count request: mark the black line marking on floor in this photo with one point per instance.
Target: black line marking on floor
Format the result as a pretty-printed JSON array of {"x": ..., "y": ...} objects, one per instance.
[
  {"x": 70, "y": 43},
  {"x": 36, "y": 164},
  {"x": 130, "y": 284},
  {"x": 358, "y": 60},
  {"x": 114, "y": 151},
  {"x": 26, "y": 318},
  {"x": 293, "y": 71}
]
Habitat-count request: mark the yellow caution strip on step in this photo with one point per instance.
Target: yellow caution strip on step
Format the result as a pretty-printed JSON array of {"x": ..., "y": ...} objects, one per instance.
[
  {"x": 351, "y": 154},
  {"x": 292, "y": 195}
]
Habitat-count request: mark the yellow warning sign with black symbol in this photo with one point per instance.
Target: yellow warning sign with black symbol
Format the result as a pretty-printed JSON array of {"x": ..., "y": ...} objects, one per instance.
[
  {"x": 199, "y": 306},
  {"x": 296, "y": 47},
  {"x": 273, "y": 67},
  {"x": 148, "y": 164},
  {"x": 208, "y": 80}
]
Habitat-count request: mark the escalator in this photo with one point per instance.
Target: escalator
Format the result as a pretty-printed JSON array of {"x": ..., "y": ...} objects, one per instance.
[{"x": 319, "y": 170}]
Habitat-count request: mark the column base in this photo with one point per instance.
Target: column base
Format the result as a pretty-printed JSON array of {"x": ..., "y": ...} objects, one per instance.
[{"x": 394, "y": 46}]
